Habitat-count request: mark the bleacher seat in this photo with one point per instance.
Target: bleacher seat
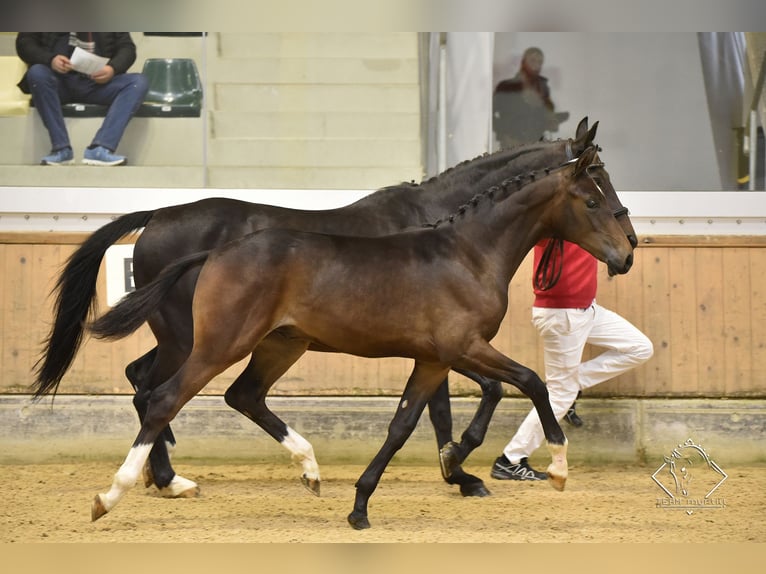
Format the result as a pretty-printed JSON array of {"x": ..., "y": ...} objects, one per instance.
[
  {"x": 13, "y": 102},
  {"x": 175, "y": 88},
  {"x": 76, "y": 110}
]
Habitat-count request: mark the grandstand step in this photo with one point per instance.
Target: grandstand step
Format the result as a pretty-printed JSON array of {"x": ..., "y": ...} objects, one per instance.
[
  {"x": 314, "y": 153},
  {"x": 316, "y": 45},
  {"x": 147, "y": 141},
  {"x": 351, "y": 177},
  {"x": 79, "y": 175},
  {"x": 315, "y": 98},
  {"x": 340, "y": 125},
  {"x": 317, "y": 71}
]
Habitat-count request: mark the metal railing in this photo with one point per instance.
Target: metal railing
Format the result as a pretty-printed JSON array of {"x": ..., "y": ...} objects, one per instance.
[{"x": 752, "y": 127}]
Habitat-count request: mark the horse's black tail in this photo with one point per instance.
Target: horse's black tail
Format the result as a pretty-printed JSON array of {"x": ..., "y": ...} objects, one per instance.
[
  {"x": 136, "y": 307},
  {"x": 75, "y": 300}
]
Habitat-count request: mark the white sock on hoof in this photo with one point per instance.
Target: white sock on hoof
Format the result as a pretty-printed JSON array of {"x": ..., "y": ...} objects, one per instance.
[
  {"x": 126, "y": 476},
  {"x": 303, "y": 453},
  {"x": 558, "y": 470},
  {"x": 180, "y": 487}
]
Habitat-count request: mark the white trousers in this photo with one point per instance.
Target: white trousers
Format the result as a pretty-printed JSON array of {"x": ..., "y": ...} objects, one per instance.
[{"x": 564, "y": 333}]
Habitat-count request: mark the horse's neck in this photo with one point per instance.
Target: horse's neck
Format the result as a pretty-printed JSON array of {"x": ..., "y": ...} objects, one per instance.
[{"x": 505, "y": 230}]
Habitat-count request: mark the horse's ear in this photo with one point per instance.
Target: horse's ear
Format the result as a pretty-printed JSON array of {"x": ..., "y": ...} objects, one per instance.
[
  {"x": 582, "y": 128},
  {"x": 592, "y": 134},
  {"x": 584, "y": 161}
]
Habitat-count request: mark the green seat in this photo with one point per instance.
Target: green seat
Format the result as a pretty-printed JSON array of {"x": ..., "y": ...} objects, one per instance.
[{"x": 175, "y": 89}]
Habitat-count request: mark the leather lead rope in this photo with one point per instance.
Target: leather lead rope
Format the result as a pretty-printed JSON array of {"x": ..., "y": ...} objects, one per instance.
[{"x": 549, "y": 268}]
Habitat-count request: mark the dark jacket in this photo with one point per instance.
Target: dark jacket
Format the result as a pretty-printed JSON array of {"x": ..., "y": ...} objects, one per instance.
[{"x": 42, "y": 47}]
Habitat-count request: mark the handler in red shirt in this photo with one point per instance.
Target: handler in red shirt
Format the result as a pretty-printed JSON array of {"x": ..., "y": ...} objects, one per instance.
[{"x": 567, "y": 317}]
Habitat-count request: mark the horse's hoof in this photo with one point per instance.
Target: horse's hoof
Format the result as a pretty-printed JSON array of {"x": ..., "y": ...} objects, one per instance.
[
  {"x": 358, "y": 521},
  {"x": 189, "y": 493},
  {"x": 475, "y": 489},
  {"x": 180, "y": 487},
  {"x": 448, "y": 459},
  {"x": 557, "y": 482},
  {"x": 97, "y": 509},
  {"x": 311, "y": 484}
]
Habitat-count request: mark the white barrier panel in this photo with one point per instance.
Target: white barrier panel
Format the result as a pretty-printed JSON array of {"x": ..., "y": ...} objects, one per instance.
[
  {"x": 119, "y": 273},
  {"x": 87, "y": 209}
]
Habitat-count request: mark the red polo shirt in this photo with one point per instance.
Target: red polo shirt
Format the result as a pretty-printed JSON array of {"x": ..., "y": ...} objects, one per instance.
[{"x": 576, "y": 288}]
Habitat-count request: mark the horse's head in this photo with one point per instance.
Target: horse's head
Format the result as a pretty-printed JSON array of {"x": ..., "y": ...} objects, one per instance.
[
  {"x": 584, "y": 139},
  {"x": 589, "y": 217}
]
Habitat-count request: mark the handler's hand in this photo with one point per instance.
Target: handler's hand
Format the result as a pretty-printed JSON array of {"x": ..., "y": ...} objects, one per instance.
[{"x": 104, "y": 75}]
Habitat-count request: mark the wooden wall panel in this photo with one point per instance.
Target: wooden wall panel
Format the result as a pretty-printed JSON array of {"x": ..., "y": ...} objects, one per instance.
[
  {"x": 683, "y": 343},
  {"x": 757, "y": 286},
  {"x": 702, "y": 302},
  {"x": 18, "y": 310},
  {"x": 655, "y": 291},
  {"x": 737, "y": 328},
  {"x": 710, "y": 320}
]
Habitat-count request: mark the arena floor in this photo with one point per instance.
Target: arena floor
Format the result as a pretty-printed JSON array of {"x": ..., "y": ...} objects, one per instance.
[{"x": 266, "y": 503}]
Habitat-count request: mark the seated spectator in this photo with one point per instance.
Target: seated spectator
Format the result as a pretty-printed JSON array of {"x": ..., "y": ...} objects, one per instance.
[{"x": 52, "y": 81}]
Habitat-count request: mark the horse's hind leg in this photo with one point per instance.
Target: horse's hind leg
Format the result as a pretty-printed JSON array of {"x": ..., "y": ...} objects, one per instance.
[
  {"x": 449, "y": 452},
  {"x": 247, "y": 394},
  {"x": 164, "y": 403},
  {"x": 157, "y": 470},
  {"x": 424, "y": 380},
  {"x": 138, "y": 373}
]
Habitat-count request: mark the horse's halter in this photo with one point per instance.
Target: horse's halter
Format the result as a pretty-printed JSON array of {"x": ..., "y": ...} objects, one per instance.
[{"x": 551, "y": 264}]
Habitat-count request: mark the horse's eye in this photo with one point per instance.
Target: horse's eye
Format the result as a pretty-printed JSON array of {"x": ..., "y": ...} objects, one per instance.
[{"x": 591, "y": 203}]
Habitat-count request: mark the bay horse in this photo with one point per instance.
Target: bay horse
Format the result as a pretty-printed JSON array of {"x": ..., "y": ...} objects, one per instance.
[
  {"x": 436, "y": 295},
  {"x": 176, "y": 231}
]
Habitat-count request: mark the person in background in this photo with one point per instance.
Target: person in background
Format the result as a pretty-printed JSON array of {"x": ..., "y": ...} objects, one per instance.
[
  {"x": 51, "y": 81},
  {"x": 522, "y": 106},
  {"x": 567, "y": 318}
]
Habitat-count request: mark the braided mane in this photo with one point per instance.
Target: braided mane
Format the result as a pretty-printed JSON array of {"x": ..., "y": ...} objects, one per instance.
[
  {"x": 512, "y": 153},
  {"x": 506, "y": 187}
]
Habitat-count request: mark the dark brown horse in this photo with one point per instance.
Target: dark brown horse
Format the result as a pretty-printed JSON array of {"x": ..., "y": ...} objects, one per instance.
[
  {"x": 436, "y": 295},
  {"x": 180, "y": 230}
]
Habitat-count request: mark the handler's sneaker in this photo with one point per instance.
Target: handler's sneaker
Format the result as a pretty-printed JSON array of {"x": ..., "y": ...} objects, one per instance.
[
  {"x": 572, "y": 417},
  {"x": 63, "y": 156},
  {"x": 504, "y": 470},
  {"x": 99, "y": 155}
]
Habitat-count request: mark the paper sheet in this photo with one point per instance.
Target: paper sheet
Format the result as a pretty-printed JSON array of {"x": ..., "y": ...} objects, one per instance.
[{"x": 87, "y": 63}]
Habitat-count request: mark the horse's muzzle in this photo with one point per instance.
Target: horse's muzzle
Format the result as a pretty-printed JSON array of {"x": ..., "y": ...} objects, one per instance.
[{"x": 620, "y": 269}]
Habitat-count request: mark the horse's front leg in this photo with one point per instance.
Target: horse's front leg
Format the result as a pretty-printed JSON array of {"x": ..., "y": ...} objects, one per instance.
[
  {"x": 452, "y": 454},
  {"x": 423, "y": 381},
  {"x": 482, "y": 358}
]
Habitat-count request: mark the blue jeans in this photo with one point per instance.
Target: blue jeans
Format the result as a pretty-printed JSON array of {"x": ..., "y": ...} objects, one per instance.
[{"x": 123, "y": 94}]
